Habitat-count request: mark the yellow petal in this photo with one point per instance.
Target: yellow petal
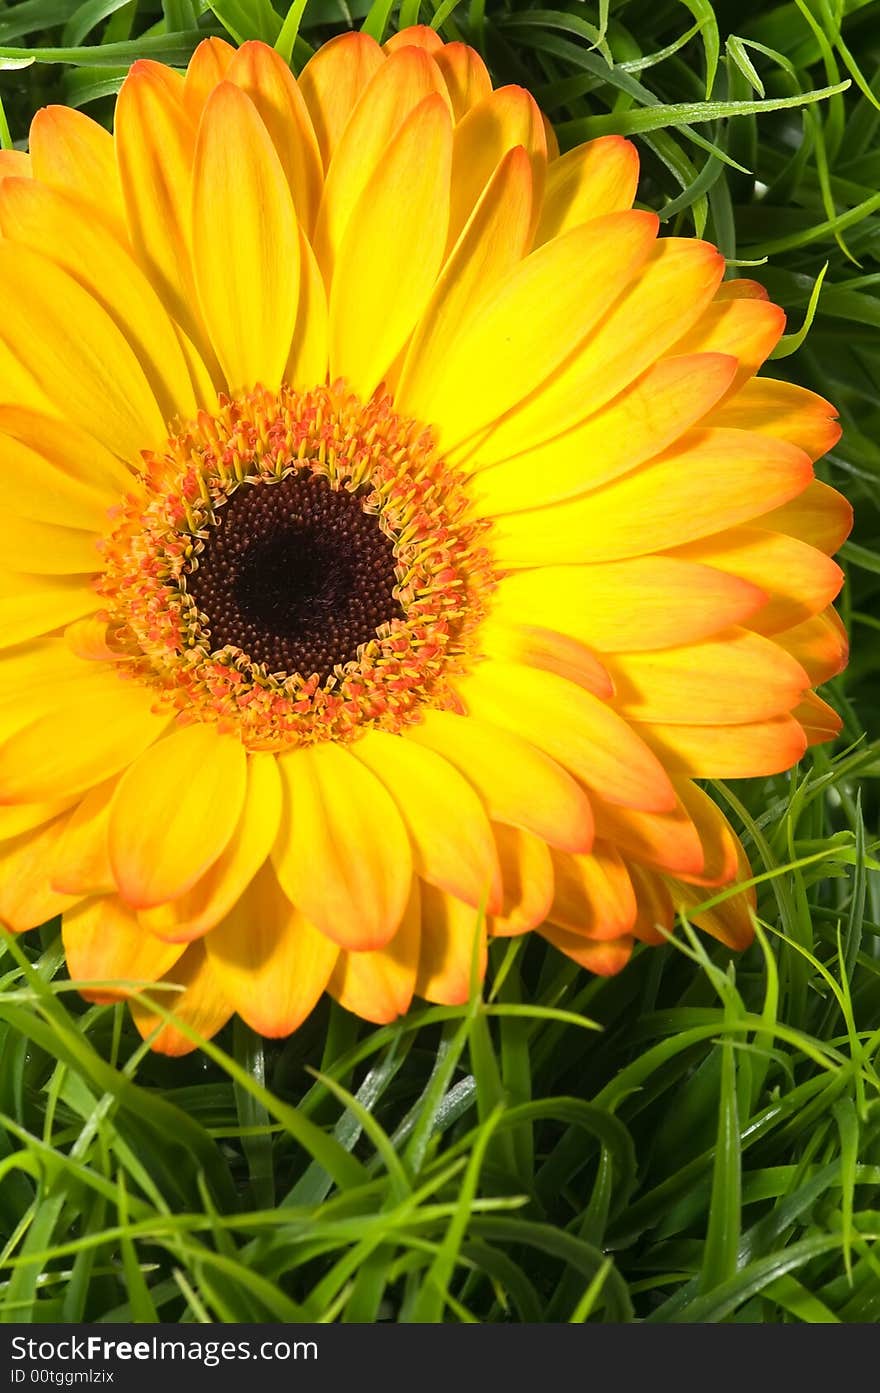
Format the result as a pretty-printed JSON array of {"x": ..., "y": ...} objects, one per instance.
[
  {"x": 573, "y": 727},
  {"x": 652, "y": 302},
  {"x": 419, "y": 35},
  {"x": 819, "y": 721},
  {"x": 642, "y": 422},
  {"x": 453, "y": 934},
  {"x": 104, "y": 942},
  {"x": 731, "y": 921},
  {"x": 343, "y": 854},
  {"x": 723, "y": 856},
  {"x": 75, "y": 354},
  {"x": 738, "y": 677},
  {"x": 820, "y": 516},
  {"x": 450, "y": 834},
  {"x": 71, "y": 152},
  {"x": 598, "y": 177},
  {"x": 748, "y": 329},
  {"x": 534, "y": 321},
  {"x": 465, "y": 74},
  {"x": 92, "y": 731},
  {"x": 216, "y": 893},
  {"x": 798, "y": 579},
  {"x": 548, "y": 650},
  {"x": 241, "y": 199},
  {"x": 332, "y": 82},
  {"x": 593, "y": 895},
  {"x": 727, "y": 752},
  {"x": 80, "y": 863},
  {"x": 202, "y": 1005},
  {"x": 25, "y": 817},
  {"x": 626, "y": 606},
  {"x": 45, "y": 549},
  {"x": 710, "y": 480},
  {"x": 271, "y": 963},
  {"x": 605, "y": 959},
  {"x": 494, "y": 240},
  {"x": 379, "y": 986},
  {"x": 67, "y": 476},
  {"x": 504, "y": 119},
  {"x": 206, "y": 70},
  {"x": 667, "y": 840},
  {"x": 15, "y": 164},
  {"x": 155, "y": 138},
  {"x": 820, "y": 645},
  {"x": 784, "y": 410},
  {"x": 307, "y": 364},
  {"x": 396, "y": 89},
  {"x": 174, "y": 812},
  {"x": 55, "y": 224},
  {"x": 27, "y": 898},
  {"x": 527, "y": 870},
  {"x": 518, "y": 783},
  {"x": 656, "y": 916},
  {"x": 263, "y": 74},
  {"x": 376, "y": 298},
  {"x": 34, "y": 605}
]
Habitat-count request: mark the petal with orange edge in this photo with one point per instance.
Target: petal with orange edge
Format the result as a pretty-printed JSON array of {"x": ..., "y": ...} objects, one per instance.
[
  {"x": 820, "y": 516},
  {"x": 403, "y": 81},
  {"x": 605, "y": 959},
  {"x": 710, "y": 480},
  {"x": 206, "y": 70},
  {"x": 784, "y": 410},
  {"x": 93, "y": 477},
  {"x": 379, "y": 986},
  {"x": 465, "y": 74},
  {"x": 71, "y": 152},
  {"x": 593, "y": 895},
  {"x": 343, "y": 853},
  {"x": 548, "y": 650},
  {"x": 215, "y": 894},
  {"x": 419, "y": 35},
  {"x": 518, "y": 783},
  {"x": 640, "y": 604},
  {"x": 572, "y": 726},
  {"x": 451, "y": 838},
  {"x": 667, "y": 840},
  {"x": 727, "y": 752},
  {"x": 731, "y": 921},
  {"x": 104, "y": 942},
  {"x": 820, "y": 644},
  {"x": 377, "y": 299},
  {"x": 26, "y": 897},
  {"x": 272, "y": 964},
  {"x": 820, "y": 722},
  {"x": 740, "y": 676},
  {"x": 93, "y": 731},
  {"x": 747, "y": 329},
  {"x": 527, "y": 871},
  {"x": 241, "y": 199},
  {"x": 174, "y": 812},
  {"x": 798, "y": 579},
  {"x": 263, "y": 74},
  {"x": 494, "y": 240},
  {"x": 537, "y": 317},
  {"x": 721, "y": 847},
  {"x": 53, "y": 223},
  {"x": 655, "y": 916},
  {"x": 202, "y": 1006},
  {"x": 80, "y": 863},
  {"x": 332, "y": 82},
  {"x": 637, "y": 329},
  {"x": 453, "y": 941},
  {"x": 75, "y": 355},
  {"x": 595, "y": 178},
  {"x": 504, "y": 119},
  {"x": 645, "y": 419},
  {"x": 15, "y": 164}
]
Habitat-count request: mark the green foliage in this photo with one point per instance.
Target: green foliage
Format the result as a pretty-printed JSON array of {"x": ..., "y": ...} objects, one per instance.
[{"x": 712, "y": 1151}]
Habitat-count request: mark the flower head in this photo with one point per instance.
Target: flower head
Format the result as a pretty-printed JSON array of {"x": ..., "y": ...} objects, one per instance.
[{"x": 395, "y": 529}]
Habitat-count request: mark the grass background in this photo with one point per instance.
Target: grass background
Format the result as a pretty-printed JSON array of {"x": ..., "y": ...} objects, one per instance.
[{"x": 712, "y": 1151}]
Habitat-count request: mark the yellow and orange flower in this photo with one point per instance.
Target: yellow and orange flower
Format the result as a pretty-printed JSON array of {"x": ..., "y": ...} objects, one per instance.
[{"x": 394, "y": 529}]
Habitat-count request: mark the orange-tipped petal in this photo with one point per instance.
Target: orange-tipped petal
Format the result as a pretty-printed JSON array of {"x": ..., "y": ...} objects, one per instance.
[
  {"x": 71, "y": 152},
  {"x": 819, "y": 516},
  {"x": 518, "y": 783},
  {"x": 593, "y": 895},
  {"x": 26, "y": 897},
  {"x": 465, "y": 74},
  {"x": 452, "y": 840},
  {"x": 783, "y": 410},
  {"x": 343, "y": 853},
  {"x": 80, "y": 863},
  {"x": 527, "y": 871},
  {"x": 202, "y": 1005},
  {"x": 503, "y": 120},
  {"x": 332, "y": 82},
  {"x": 379, "y": 986},
  {"x": 174, "y": 812},
  {"x": 819, "y": 721},
  {"x": 206, "y": 70},
  {"x": 271, "y": 963},
  {"x": 548, "y": 650},
  {"x": 727, "y": 752},
  {"x": 820, "y": 644},
  {"x": 592, "y": 179},
  {"x": 749, "y": 329},
  {"x": 604, "y": 959},
  {"x": 103, "y": 942},
  {"x": 453, "y": 936}
]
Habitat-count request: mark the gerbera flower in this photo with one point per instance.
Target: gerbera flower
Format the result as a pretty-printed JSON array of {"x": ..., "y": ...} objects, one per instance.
[{"x": 394, "y": 529}]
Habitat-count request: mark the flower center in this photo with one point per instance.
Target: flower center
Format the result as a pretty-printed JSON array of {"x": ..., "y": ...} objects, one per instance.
[
  {"x": 296, "y": 574},
  {"x": 297, "y": 567}
]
